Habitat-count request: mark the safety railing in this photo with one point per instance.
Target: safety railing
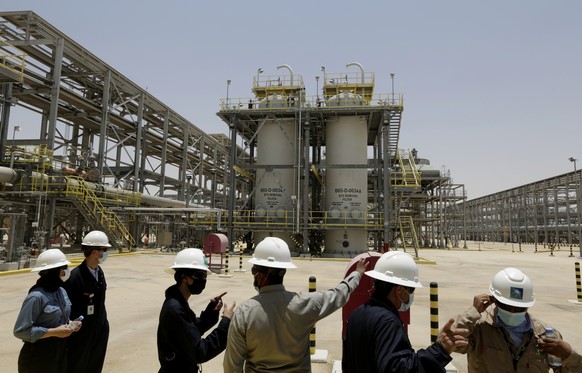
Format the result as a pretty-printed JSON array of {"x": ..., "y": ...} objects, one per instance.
[
  {"x": 88, "y": 200},
  {"x": 388, "y": 101},
  {"x": 286, "y": 219},
  {"x": 12, "y": 59}
]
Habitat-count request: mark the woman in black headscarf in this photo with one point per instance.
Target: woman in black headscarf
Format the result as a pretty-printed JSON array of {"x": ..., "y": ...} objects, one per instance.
[{"x": 43, "y": 322}]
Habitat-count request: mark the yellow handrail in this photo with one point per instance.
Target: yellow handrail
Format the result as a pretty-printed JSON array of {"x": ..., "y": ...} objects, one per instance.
[{"x": 12, "y": 59}]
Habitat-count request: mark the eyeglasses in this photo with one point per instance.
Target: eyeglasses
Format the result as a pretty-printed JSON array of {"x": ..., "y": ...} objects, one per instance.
[
  {"x": 102, "y": 249},
  {"x": 409, "y": 290},
  {"x": 198, "y": 277},
  {"x": 511, "y": 309},
  {"x": 255, "y": 270}
]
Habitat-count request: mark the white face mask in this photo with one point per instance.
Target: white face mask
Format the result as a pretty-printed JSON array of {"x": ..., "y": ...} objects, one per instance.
[
  {"x": 104, "y": 256},
  {"x": 406, "y": 306},
  {"x": 510, "y": 318},
  {"x": 66, "y": 276}
]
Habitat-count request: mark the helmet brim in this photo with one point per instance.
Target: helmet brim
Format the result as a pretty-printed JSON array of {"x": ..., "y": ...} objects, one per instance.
[
  {"x": 395, "y": 280},
  {"x": 50, "y": 266},
  {"x": 272, "y": 264},
  {"x": 171, "y": 270}
]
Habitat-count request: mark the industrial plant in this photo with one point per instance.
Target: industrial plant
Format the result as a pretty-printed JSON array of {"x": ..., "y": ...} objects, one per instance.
[{"x": 321, "y": 170}]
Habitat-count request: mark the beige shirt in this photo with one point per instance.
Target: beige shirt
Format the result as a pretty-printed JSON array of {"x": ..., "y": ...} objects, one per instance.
[
  {"x": 270, "y": 331},
  {"x": 489, "y": 351}
]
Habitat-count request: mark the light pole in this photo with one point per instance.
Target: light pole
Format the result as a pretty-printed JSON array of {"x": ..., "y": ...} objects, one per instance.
[
  {"x": 227, "y": 88},
  {"x": 16, "y": 129},
  {"x": 578, "y": 203},
  {"x": 392, "y": 78},
  {"x": 317, "y": 89},
  {"x": 259, "y": 72}
]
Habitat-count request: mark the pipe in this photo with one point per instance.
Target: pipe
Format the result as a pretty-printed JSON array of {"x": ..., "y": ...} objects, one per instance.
[
  {"x": 359, "y": 65},
  {"x": 290, "y": 72},
  {"x": 9, "y": 175}
]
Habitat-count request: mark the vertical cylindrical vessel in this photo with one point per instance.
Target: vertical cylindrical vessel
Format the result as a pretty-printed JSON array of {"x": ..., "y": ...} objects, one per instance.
[
  {"x": 275, "y": 173},
  {"x": 346, "y": 187}
]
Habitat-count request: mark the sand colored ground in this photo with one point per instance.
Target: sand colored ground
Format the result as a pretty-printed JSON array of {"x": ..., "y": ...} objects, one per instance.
[{"x": 136, "y": 284}]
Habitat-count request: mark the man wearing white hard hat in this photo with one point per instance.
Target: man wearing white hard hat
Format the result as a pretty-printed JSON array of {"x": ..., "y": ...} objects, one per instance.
[
  {"x": 505, "y": 337},
  {"x": 87, "y": 288},
  {"x": 270, "y": 332},
  {"x": 376, "y": 340},
  {"x": 43, "y": 321},
  {"x": 181, "y": 348}
]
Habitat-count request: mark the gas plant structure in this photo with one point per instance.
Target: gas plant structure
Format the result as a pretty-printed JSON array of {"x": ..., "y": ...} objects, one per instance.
[
  {"x": 325, "y": 173},
  {"x": 96, "y": 151}
]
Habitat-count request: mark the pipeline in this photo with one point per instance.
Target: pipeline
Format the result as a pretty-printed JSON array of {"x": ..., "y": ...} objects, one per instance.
[{"x": 12, "y": 176}]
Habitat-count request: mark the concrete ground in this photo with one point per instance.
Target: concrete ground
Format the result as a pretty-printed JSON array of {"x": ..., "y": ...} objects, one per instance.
[{"x": 136, "y": 284}]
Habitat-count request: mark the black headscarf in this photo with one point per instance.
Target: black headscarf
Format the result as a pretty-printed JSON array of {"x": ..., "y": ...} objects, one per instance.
[{"x": 49, "y": 280}]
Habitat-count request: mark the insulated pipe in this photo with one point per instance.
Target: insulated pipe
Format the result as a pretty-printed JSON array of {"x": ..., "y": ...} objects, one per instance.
[
  {"x": 9, "y": 175},
  {"x": 359, "y": 65},
  {"x": 290, "y": 72}
]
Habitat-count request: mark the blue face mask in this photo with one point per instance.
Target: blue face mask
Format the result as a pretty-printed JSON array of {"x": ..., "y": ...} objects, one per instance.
[
  {"x": 510, "y": 318},
  {"x": 103, "y": 257},
  {"x": 406, "y": 306}
]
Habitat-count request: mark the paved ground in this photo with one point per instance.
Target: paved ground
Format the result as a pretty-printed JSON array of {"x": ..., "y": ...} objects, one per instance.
[{"x": 137, "y": 283}]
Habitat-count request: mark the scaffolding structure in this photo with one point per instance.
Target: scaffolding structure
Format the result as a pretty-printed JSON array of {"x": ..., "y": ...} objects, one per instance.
[
  {"x": 541, "y": 213},
  {"x": 102, "y": 142},
  {"x": 103, "y": 153}
]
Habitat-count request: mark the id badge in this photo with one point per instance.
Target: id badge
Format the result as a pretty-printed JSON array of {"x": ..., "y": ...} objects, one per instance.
[{"x": 90, "y": 309}]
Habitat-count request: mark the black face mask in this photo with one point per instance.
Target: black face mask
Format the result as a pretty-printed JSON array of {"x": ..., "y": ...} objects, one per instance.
[{"x": 197, "y": 286}]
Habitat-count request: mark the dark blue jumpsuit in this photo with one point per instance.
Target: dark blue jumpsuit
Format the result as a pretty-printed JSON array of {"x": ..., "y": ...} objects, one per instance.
[
  {"x": 88, "y": 346},
  {"x": 180, "y": 344},
  {"x": 376, "y": 341}
]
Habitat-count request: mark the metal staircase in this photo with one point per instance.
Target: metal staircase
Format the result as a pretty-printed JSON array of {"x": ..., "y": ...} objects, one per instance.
[
  {"x": 394, "y": 123},
  {"x": 94, "y": 211},
  {"x": 405, "y": 183},
  {"x": 408, "y": 233}
]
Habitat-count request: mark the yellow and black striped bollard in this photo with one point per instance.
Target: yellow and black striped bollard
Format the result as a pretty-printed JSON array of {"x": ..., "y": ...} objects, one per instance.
[
  {"x": 312, "y": 287},
  {"x": 578, "y": 284},
  {"x": 434, "y": 311}
]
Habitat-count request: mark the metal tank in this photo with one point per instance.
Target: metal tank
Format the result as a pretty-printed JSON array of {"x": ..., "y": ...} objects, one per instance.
[
  {"x": 275, "y": 182},
  {"x": 346, "y": 187}
]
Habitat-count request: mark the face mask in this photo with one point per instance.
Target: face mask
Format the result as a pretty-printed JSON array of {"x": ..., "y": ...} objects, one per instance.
[
  {"x": 197, "y": 286},
  {"x": 405, "y": 306},
  {"x": 66, "y": 276},
  {"x": 103, "y": 257},
  {"x": 510, "y": 318}
]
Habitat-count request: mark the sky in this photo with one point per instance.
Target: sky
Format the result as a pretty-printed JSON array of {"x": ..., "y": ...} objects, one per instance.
[{"x": 492, "y": 89}]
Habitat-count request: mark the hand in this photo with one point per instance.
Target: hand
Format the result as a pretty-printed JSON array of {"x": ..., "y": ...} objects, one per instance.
[
  {"x": 217, "y": 301},
  {"x": 452, "y": 339},
  {"x": 482, "y": 301},
  {"x": 62, "y": 331},
  {"x": 556, "y": 347},
  {"x": 75, "y": 325},
  {"x": 228, "y": 312},
  {"x": 362, "y": 266}
]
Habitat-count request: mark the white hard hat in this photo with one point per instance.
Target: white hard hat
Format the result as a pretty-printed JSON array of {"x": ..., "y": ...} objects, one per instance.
[
  {"x": 189, "y": 259},
  {"x": 272, "y": 252},
  {"x": 512, "y": 287},
  {"x": 398, "y": 268},
  {"x": 52, "y": 258},
  {"x": 96, "y": 238}
]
